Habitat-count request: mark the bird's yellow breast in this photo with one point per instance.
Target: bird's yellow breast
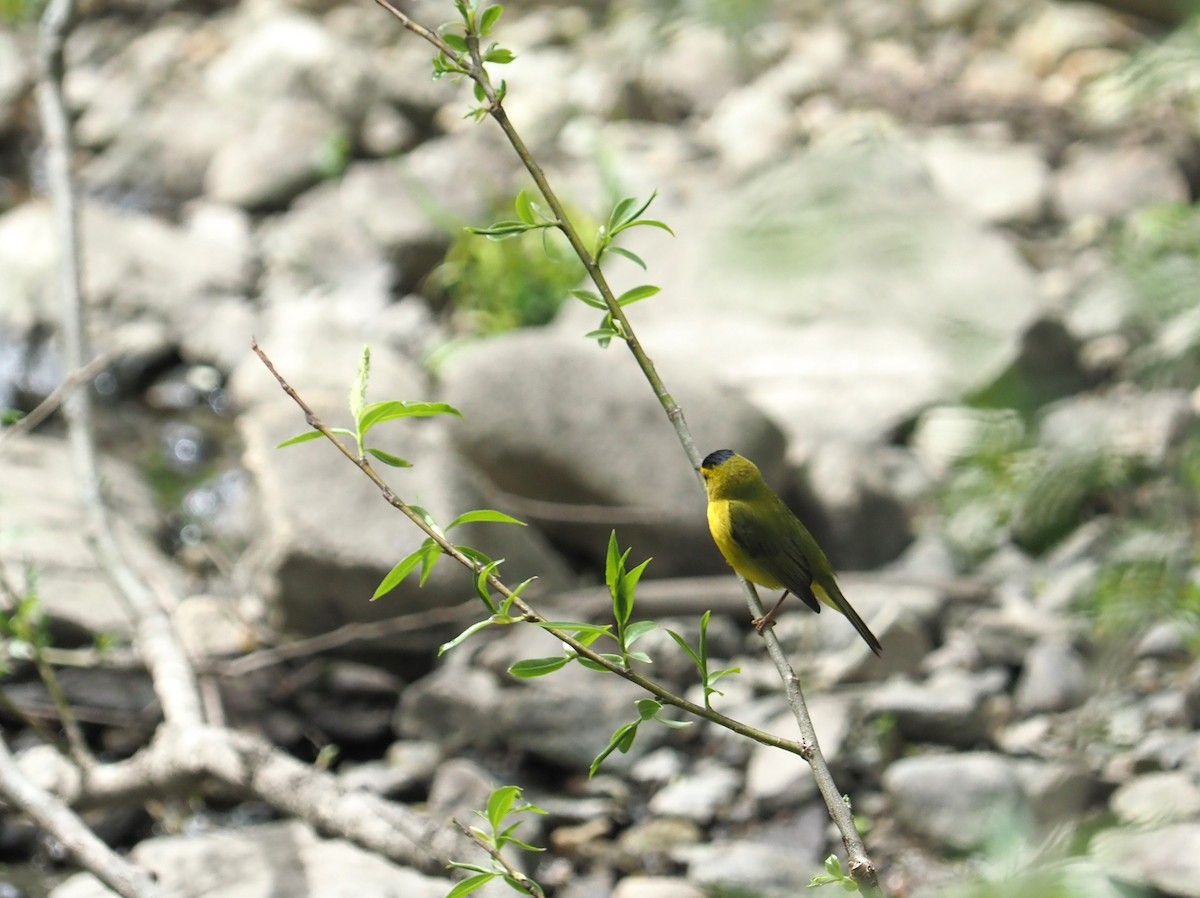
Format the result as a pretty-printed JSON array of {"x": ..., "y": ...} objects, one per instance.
[{"x": 719, "y": 524}]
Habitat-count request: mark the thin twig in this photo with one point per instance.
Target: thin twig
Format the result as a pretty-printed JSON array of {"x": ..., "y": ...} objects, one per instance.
[
  {"x": 657, "y": 690},
  {"x": 54, "y": 817},
  {"x": 47, "y": 406},
  {"x": 511, "y": 873},
  {"x": 859, "y": 863}
]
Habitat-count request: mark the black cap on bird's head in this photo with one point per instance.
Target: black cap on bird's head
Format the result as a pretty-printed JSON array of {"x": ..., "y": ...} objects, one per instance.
[{"x": 716, "y": 458}]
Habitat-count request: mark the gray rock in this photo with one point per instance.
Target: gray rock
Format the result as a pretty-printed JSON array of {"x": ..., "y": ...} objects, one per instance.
[
  {"x": 1163, "y": 640},
  {"x": 750, "y": 126},
  {"x": 408, "y": 766},
  {"x": 45, "y": 531},
  {"x": 1054, "y": 678},
  {"x": 957, "y": 801},
  {"x": 995, "y": 182},
  {"x": 1162, "y": 858},
  {"x": 545, "y": 718},
  {"x": 778, "y": 780},
  {"x": 949, "y": 708},
  {"x": 656, "y": 887},
  {"x": 746, "y": 866},
  {"x": 323, "y": 558},
  {"x": 261, "y": 861},
  {"x": 453, "y": 706},
  {"x": 1046, "y": 38},
  {"x": 862, "y": 497},
  {"x": 1157, "y": 798},
  {"x": 1191, "y": 694},
  {"x": 568, "y": 463},
  {"x": 283, "y": 152},
  {"x": 1058, "y": 792},
  {"x": 850, "y": 317},
  {"x": 1128, "y": 424},
  {"x": 1113, "y": 181},
  {"x": 688, "y": 76},
  {"x": 703, "y": 793}
]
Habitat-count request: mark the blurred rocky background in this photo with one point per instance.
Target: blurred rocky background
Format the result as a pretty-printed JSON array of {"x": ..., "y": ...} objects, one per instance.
[{"x": 935, "y": 269}]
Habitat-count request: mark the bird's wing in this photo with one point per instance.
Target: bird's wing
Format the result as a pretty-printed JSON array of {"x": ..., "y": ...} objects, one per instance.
[{"x": 775, "y": 552}]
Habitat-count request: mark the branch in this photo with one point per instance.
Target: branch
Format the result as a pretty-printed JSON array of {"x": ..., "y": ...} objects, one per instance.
[
  {"x": 56, "y": 818},
  {"x": 859, "y": 863}
]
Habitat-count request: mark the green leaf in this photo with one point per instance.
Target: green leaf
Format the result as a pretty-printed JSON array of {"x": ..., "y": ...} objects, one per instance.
[
  {"x": 691, "y": 653},
  {"x": 622, "y": 740},
  {"x": 528, "y": 668},
  {"x": 378, "y": 412},
  {"x": 485, "y": 514},
  {"x": 503, "y": 230},
  {"x": 603, "y": 337},
  {"x": 301, "y": 438},
  {"x": 499, "y": 55},
  {"x": 512, "y": 596},
  {"x": 632, "y": 577},
  {"x": 628, "y": 254},
  {"x": 463, "y": 636},
  {"x": 477, "y": 89},
  {"x": 649, "y": 223},
  {"x": 612, "y": 561},
  {"x": 455, "y": 41},
  {"x": 430, "y": 553},
  {"x": 499, "y": 803},
  {"x": 585, "y": 633},
  {"x": 423, "y": 513},
  {"x": 637, "y": 293},
  {"x": 638, "y": 630},
  {"x": 388, "y": 459},
  {"x": 399, "y": 572},
  {"x": 620, "y": 211},
  {"x": 590, "y": 297},
  {"x": 358, "y": 392},
  {"x": 523, "y": 202},
  {"x": 488, "y": 20},
  {"x": 648, "y": 708},
  {"x": 470, "y": 884}
]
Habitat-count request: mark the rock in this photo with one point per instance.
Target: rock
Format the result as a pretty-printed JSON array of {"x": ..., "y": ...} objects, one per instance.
[
  {"x": 946, "y": 435},
  {"x": 1191, "y": 693},
  {"x": 408, "y": 768},
  {"x": 779, "y": 781},
  {"x": 1058, "y": 792},
  {"x": 322, "y": 560},
  {"x": 283, "y": 152},
  {"x": 1161, "y": 858},
  {"x": 40, "y": 495},
  {"x": 1139, "y": 426},
  {"x": 656, "y": 887},
  {"x": 986, "y": 797},
  {"x": 689, "y": 76},
  {"x": 862, "y": 496},
  {"x": 850, "y": 316},
  {"x": 1057, "y": 30},
  {"x": 950, "y": 708},
  {"x": 703, "y": 793},
  {"x": 568, "y": 465},
  {"x": 453, "y": 706},
  {"x": 545, "y": 718},
  {"x": 995, "y": 182},
  {"x": 259, "y": 861},
  {"x": 1111, "y": 182},
  {"x": 750, "y": 126},
  {"x": 1163, "y": 640},
  {"x": 1054, "y": 678},
  {"x": 209, "y": 627},
  {"x": 1154, "y": 799},
  {"x": 750, "y": 867}
]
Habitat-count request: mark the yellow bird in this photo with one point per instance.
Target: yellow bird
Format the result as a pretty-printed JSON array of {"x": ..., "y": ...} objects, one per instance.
[{"x": 765, "y": 542}]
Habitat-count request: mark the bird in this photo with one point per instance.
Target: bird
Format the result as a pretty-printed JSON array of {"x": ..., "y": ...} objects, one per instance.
[{"x": 764, "y": 541}]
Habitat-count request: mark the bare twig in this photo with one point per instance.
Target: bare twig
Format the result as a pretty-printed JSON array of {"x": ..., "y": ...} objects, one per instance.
[
  {"x": 859, "y": 863},
  {"x": 49, "y": 813},
  {"x": 47, "y": 406}
]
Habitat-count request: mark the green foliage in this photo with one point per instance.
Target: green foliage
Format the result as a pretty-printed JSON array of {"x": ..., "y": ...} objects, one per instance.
[
  {"x": 834, "y": 874},
  {"x": 15, "y": 12},
  {"x": 333, "y": 154},
  {"x": 1158, "y": 249},
  {"x": 502, "y": 808},
  {"x": 498, "y": 284}
]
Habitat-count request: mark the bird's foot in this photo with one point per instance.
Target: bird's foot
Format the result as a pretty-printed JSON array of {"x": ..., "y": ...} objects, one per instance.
[{"x": 761, "y": 623}]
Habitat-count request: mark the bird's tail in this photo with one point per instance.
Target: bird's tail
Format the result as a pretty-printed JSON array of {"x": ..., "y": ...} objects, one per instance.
[{"x": 831, "y": 594}]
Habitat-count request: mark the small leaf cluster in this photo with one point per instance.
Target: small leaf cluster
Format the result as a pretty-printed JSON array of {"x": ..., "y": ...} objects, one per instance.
[
  {"x": 23, "y": 629},
  {"x": 369, "y": 415},
  {"x": 834, "y": 874},
  {"x": 502, "y": 806},
  {"x": 626, "y": 214},
  {"x": 477, "y": 20}
]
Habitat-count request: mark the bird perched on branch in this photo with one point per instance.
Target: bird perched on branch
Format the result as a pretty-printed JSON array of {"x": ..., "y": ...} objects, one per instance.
[{"x": 765, "y": 542}]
